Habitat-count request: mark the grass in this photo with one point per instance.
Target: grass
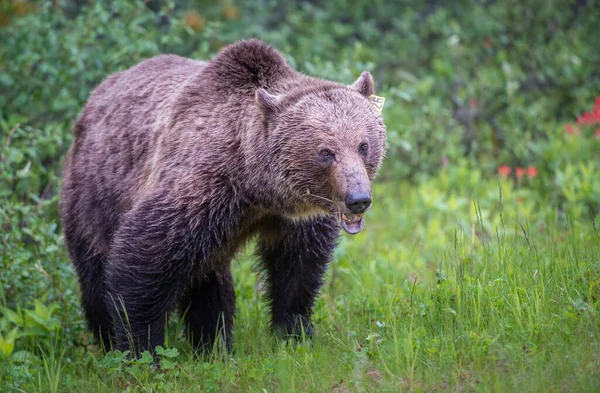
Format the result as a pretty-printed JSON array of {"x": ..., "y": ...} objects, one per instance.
[{"x": 438, "y": 293}]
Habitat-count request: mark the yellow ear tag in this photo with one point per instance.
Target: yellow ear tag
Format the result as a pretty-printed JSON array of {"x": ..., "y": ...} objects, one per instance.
[{"x": 377, "y": 102}]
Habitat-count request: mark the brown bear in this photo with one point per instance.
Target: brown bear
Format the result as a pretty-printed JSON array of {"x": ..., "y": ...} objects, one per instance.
[{"x": 176, "y": 163}]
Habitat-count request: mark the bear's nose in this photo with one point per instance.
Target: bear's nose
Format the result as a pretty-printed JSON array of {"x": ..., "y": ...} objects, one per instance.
[{"x": 358, "y": 202}]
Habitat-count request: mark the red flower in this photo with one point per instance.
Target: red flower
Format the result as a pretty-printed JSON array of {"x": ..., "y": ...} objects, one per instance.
[
  {"x": 504, "y": 170},
  {"x": 597, "y": 133},
  {"x": 532, "y": 171},
  {"x": 569, "y": 129},
  {"x": 473, "y": 104},
  {"x": 590, "y": 117},
  {"x": 520, "y": 172}
]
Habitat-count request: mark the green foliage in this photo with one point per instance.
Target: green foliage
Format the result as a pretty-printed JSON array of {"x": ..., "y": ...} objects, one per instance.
[
  {"x": 64, "y": 58},
  {"x": 463, "y": 279},
  {"x": 140, "y": 371},
  {"x": 465, "y": 77}
]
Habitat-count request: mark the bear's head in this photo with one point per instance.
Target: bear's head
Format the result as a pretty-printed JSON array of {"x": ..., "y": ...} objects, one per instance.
[{"x": 326, "y": 144}]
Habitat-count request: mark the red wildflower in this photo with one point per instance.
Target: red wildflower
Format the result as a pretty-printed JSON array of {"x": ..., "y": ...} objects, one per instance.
[
  {"x": 473, "y": 104},
  {"x": 504, "y": 170},
  {"x": 569, "y": 129},
  {"x": 532, "y": 171},
  {"x": 590, "y": 117},
  {"x": 520, "y": 172},
  {"x": 597, "y": 133}
]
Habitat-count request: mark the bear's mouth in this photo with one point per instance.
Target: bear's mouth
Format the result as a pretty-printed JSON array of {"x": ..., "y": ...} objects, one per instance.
[{"x": 352, "y": 223}]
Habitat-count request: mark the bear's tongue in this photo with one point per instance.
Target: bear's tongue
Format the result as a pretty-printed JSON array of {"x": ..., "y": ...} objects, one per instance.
[{"x": 352, "y": 223}]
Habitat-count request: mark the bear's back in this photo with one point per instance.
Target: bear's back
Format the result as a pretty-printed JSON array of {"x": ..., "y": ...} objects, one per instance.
[
  {"x": 123, "y": 117},
  {"x": 115, "y": 139},
  {"x": 138, "y": 95}
]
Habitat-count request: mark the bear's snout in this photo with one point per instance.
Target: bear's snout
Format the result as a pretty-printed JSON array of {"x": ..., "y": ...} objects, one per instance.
[{"x": 358, "y": 202}]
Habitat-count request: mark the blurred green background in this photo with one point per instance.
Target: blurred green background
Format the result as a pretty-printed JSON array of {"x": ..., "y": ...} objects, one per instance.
[
  {"x": 478, "y": 83},
  {"x": 486, "y": 100}
]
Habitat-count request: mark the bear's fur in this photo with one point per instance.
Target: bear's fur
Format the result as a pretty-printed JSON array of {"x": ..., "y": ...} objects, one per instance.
[{"x": 176, "y": 163}]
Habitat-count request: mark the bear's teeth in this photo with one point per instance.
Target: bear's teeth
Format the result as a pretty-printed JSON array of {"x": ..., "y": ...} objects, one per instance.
[{"x": 356, "y": 218}]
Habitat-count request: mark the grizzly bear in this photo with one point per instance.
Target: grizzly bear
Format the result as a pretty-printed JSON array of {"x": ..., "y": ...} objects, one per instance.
[{"x": 176, "y": 163}]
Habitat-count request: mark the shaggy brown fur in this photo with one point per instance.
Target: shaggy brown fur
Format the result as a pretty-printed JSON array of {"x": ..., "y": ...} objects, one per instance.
[{"x": 176, "y": 163}]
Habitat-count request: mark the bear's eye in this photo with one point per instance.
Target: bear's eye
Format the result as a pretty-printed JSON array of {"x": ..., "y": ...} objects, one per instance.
[
  {"x": 325, "y": 153},
  {"x": 363, "y": 148}
]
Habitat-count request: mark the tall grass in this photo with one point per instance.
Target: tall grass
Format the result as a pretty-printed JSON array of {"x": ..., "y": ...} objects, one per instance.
[{"x": 478, "y": 297}]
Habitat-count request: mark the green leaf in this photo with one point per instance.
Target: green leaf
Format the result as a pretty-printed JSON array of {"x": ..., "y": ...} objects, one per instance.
[
  {"x": 34, "y": 318},
  {"x": 166, "y": 364},
  {"x": 146, "y": 358},
  {"x": 7, "y": 345},
  {"x": 41, "y": 310},
  {"x": 25, "y": 357},
  {"x": 13, "y": 316},
  {"x": 170, "y": 353}
]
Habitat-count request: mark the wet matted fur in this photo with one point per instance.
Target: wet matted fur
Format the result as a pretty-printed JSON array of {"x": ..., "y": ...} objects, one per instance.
[{"x": 176, "y": 163}]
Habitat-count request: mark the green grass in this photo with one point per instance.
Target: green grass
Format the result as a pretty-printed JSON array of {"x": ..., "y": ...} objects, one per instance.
[{"x": 438, "y": 293}]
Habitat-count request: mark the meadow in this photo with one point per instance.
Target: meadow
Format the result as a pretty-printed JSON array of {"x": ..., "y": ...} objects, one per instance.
[{"x": 479, "y": 266}]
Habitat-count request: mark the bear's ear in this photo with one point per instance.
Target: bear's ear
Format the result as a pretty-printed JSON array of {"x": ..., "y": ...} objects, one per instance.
[
  {"x": 364, "y": 84},
  {"x": 266, "y": 101}
]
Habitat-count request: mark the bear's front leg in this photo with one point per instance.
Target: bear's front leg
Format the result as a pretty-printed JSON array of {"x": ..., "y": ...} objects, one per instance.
[
  {"x": 295, "y": 256},
  {"x": 153, "y": 254},
  {"x": 139, "y": 298}
]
